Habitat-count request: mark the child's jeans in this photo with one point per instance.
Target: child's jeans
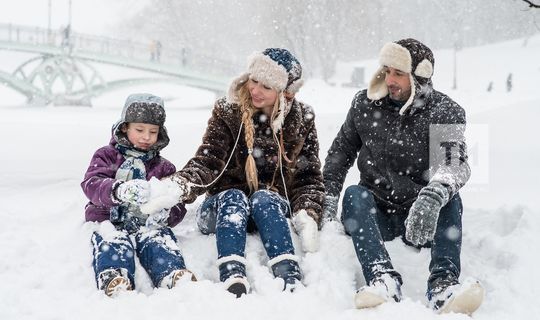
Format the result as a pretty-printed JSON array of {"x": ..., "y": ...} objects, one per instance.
[{"x": 157, "y": 250}]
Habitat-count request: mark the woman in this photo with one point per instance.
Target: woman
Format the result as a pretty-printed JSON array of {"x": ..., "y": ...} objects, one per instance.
[{"x": 258, "y": 164}]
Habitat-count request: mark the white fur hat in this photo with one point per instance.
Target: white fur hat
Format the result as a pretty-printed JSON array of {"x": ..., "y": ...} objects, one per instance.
[
  {"x": 276, "y": 68},
  {"x": 410, "y": 56}
]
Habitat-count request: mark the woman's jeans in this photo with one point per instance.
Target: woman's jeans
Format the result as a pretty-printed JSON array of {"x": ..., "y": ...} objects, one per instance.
[
  {"x": 229, "y": 213},
  {"x": 157, "y": 250},
  {"x": 370, "y": 223}
]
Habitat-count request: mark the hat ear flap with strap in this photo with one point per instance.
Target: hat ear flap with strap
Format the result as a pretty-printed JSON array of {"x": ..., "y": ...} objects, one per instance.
[
  {"x": 377, "y": 88},
  {"x": 295, "y": 86},
  {"x": 232, "y": 94}
]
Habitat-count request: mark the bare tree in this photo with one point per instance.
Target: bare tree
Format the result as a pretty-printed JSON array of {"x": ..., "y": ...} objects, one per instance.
[{"x": 532, "y": 4}]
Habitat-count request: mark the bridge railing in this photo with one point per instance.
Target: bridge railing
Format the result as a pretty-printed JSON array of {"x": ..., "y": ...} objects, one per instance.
[{"x": 142, "y": 51}]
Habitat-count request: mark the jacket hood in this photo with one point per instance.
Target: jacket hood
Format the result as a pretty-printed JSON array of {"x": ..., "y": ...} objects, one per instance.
[{"x": 142, "y": 108}]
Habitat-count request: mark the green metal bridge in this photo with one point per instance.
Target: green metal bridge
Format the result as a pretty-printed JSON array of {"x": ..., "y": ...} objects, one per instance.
[{"x": 63, "y": 70}]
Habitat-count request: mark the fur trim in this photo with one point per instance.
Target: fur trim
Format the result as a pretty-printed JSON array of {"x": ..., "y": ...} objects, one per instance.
[
  {"x": 395, "y": 56},
  {"x": 377, "y": 88},
  {"x": 277, "y": 124},
  {"x": 230, "y": 258},
  {"x": 411, "y": 97},
  {"x": 262, "y": 68},
  {"x": 424, "y": 69},
  {"x": 282, "y": 257},
  {"x": 236, "y": 83},
  {"x": 295, "y": 86}
]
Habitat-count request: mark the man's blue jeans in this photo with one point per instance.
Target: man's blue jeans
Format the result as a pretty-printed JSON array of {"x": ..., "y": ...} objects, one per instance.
[
  {"x": 370, "y": 222},
  {"x": 229, "y": 213}
]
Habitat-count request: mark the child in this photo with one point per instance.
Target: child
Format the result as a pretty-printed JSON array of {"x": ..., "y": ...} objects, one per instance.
[{"x": 116, "y": 185}]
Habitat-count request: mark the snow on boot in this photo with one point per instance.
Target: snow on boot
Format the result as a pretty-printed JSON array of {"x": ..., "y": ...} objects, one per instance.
[
  {"x": 286, "y": 267},
  {"x": 449, "y": 296},
  {"x": 113, "y": 281},
  {"x": 382, "y": 289},
  {"x": 173, "y": 278},
  {"x": 232, "y": 272}
]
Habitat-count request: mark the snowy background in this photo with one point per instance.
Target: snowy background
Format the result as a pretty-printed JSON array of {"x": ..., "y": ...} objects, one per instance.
[{"x": 45, "y": 252}]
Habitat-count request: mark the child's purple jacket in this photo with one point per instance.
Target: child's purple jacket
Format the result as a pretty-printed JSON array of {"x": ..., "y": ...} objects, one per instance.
[{"x": 99, "y": 182}]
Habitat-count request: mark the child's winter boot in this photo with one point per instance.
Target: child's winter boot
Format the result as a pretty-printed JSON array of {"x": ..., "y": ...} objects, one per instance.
[
  {"x": 113, "y": 281},
  {"x": 232, "y": 272},
  {"x": 286, "y": 267},
  {"x": 173, "y": 279},
  {"x": 383, "y": 288}
]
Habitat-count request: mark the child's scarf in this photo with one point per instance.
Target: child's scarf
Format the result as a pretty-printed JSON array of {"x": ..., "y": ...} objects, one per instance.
[{"x": 126, "y": 216}]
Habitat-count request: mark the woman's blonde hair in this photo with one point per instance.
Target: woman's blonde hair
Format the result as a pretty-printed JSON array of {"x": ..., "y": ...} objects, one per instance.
[{"x": 246, "y": 107}]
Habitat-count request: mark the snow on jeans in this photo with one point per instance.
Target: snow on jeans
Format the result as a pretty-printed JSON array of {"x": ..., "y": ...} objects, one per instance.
[
  {"x": 228, "y": 214},
  {"x": 157, "y": 250},
  {"x": 369, "y": 226}
]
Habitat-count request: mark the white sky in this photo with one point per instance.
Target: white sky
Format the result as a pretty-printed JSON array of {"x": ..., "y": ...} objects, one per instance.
[{"x": 94, "y": 16}]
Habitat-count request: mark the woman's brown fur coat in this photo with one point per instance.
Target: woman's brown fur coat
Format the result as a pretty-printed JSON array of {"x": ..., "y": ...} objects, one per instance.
[{"x": 303, "y": 177}]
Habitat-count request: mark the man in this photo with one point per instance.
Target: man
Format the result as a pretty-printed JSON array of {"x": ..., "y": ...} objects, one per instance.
[{"x": 411, "y": 152}]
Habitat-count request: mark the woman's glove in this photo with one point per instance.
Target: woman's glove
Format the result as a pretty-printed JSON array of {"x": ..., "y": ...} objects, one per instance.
[
  {"x": 181, "y": 186},
  {"x": 307, "y": 229},
  {"x": 421, "y": 223},
  {"x": 136, "y": 191}
]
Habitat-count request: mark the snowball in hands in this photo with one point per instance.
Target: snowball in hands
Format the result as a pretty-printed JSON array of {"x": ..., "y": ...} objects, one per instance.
[
  {"x": 136, "y": 191},
  {"x": 307, "y": 229},
  {"x": 164, "y": 194},
  {"x": 421, "y": 224}
]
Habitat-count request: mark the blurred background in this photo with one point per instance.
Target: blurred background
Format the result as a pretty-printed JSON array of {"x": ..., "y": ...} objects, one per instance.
[{"x": 217, "y": 35}]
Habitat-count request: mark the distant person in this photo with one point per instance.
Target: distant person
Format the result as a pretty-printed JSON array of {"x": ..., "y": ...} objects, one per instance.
[
  {"x": 66, "y": 37},
  {"x": 116, "y": 185},
  {"x": 509, "y": 82},
  {"x": 405, "y": 190},
  {"x": 152, "y": 49},
  {"x": 258, "y": 164},
  {"x": 158, "y": 50},
  {"x": 183, "y": 56},
  {"x": 490, "y": 86}
]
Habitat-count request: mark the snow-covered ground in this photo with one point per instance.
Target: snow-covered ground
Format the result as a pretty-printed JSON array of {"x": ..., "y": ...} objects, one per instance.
[{"x": 45, "y": 256}]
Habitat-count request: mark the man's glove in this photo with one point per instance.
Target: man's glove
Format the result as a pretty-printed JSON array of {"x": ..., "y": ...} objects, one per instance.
[
  {"x": 136, "y": 191},
  {"x": 306, "y": 227},
  {"x": 330, "y": 208},
  {"x": 421, "y": 223}
]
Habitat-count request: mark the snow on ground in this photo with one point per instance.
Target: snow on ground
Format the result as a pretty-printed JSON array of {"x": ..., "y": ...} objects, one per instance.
[{"x": 45, "y": 264}]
